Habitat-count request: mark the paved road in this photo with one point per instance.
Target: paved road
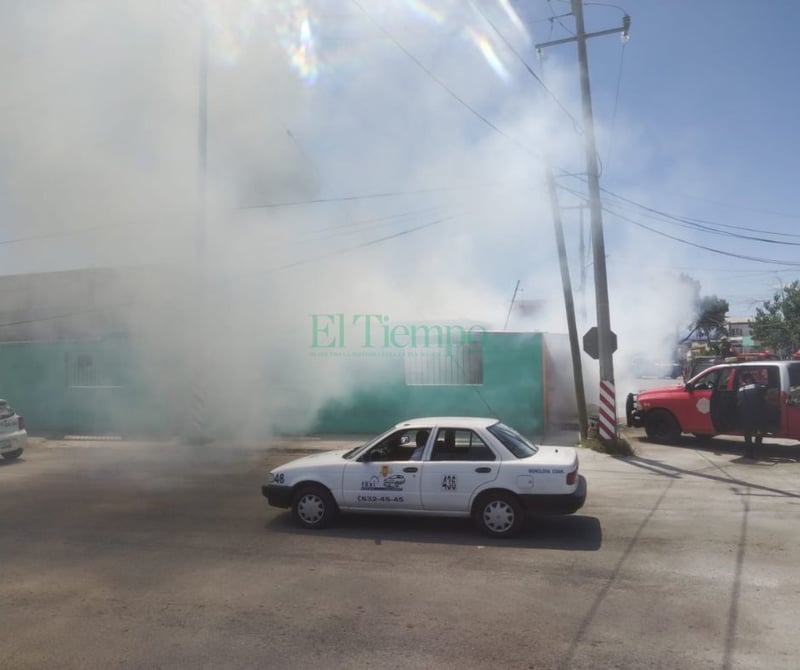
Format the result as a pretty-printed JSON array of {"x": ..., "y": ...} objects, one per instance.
[{"x": 124, "y": 555}]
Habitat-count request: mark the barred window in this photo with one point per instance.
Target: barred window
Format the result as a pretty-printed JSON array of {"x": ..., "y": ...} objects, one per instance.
[
  {"x": 457, "y": 364},
  {"x": 90, "y": 371}
]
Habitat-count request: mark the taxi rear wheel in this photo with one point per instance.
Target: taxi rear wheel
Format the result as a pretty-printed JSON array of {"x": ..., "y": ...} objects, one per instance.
[
  {"x": 498, "y": 514},
  {"x": 313, "y": 507},
  {"x": 11, "y": 455}
]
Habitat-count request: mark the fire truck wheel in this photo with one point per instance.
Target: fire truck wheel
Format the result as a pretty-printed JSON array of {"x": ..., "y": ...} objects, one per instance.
[{"x": 661, "y": 426}]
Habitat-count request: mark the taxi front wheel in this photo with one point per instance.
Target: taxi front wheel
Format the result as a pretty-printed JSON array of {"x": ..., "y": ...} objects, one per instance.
[
  {"x": 498, "y": 514},
  {"x": 314, "y": 507}
]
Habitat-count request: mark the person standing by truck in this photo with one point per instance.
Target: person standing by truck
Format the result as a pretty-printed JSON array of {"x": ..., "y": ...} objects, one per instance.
[
  {"x": 726, "y": 349},
  {"x": 750, "y": 399}
]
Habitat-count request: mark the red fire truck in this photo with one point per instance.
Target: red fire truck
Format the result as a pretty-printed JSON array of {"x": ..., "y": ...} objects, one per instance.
[{"x": 706, "y": 404}]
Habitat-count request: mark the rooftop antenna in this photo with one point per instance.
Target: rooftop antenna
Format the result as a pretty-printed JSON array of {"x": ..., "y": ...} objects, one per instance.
[{"x": 511, "y": 306}]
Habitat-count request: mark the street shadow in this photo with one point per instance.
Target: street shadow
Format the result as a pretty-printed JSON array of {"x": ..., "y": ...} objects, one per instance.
[
  {"x": 769, "y": 452},
  {"x": 5, "y": 463},
  {"x": 561, "y": 533},
  {"x": 666, "y": 469}
]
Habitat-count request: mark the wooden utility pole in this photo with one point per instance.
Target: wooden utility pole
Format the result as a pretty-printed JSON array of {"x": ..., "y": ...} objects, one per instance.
[{"x": 574, "y": 345}]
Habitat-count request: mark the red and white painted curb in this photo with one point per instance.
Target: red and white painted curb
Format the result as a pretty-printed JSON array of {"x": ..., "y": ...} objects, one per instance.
[{"x": 607, "y": 424}]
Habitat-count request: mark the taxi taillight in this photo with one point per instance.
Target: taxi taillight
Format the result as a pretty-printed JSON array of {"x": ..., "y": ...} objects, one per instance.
[
  {"x": 572, "y": 477},
  {"x": 20, "y": 423}
]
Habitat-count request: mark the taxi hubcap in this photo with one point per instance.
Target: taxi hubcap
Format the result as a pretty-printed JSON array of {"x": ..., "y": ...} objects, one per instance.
[
  {"x": 498, "y": 516},
  {"x": 310, "y": 509}
]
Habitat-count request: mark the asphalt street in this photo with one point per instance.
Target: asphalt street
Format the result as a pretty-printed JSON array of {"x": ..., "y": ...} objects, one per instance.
[{"x": 146, "y": 555}]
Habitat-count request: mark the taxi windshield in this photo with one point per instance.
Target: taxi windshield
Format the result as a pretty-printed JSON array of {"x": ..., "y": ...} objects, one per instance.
[{"x": 355, "y": 450}]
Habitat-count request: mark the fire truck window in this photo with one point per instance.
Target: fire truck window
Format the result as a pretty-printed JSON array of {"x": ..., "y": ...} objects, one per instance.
[
  {"x": 793, "y": 397},
  {"x": 773, "y": 378},
  {"x": 706, "y": 381},
  {"x": 724, "y": 378}
]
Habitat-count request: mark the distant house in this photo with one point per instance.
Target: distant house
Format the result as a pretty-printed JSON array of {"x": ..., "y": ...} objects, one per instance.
[{"x": 738, "y": 326}]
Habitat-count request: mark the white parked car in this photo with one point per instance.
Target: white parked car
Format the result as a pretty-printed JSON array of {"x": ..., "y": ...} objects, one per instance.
[
  {"x": 437, "y": 466},
  {"x": 13, "y": 436}
]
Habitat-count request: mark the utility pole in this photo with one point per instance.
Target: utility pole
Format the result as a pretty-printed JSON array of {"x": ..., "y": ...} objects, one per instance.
[
  {"x": 574, "y": 345},
  {"x": 196, "y": 431},
  {"x": 606, "y": 340}
]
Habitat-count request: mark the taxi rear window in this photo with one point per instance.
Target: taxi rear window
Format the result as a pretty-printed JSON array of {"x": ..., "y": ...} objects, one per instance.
[{"x": 512, "y": 440}]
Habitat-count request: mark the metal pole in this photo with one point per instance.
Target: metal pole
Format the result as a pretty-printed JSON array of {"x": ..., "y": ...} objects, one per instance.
[
  {"x": 574, "y": 345},
  {"x": 202, "y": 147},
  {"x": 608, "y": 415},
  {"x": 511, "y": 306},
  {"x": 582, "y": 253},
  {"x": 197, "y": 429}
]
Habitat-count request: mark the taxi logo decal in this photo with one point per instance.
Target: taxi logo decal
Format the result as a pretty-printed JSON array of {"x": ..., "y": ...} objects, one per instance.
[
  {"x": 390, "y": 483},
  {"x": 704, "y": 405}
]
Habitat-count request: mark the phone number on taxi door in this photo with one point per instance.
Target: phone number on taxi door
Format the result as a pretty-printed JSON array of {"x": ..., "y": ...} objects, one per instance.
[{"x": 385, "y": 499}]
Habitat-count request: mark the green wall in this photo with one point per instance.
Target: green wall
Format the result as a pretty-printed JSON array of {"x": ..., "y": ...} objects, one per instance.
[
  {"x": 512, "y": 390},
  {"x": 122, "y": 391},
  {"x": 46, "y": 384}
]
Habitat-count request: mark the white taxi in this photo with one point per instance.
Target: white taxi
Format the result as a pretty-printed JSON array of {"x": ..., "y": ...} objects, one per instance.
[
  {"x": 437, "y": 466},
  {"x": 13, "y": 436}
]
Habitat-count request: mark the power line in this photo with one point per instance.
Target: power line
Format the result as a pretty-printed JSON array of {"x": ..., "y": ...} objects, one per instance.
[
  {"x": 345, "y": 198},
  {"x": 616, "y": 102},
  {"x": 444, "y": 86},
  {"x": 362, "y": 245},
  {"x": 674, "y": 217},
  {"x": 530, "y": 70},
  {"x": 770, "y": 261},
  {"x": 707, "y": 225}
]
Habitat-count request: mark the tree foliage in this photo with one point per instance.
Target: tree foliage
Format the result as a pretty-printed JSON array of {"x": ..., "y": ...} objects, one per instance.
[
  {"x": 777, "y": 323},
  {"x": 711, "y": 313}
]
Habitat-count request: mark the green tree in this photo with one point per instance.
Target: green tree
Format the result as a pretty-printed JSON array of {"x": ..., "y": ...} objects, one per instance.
[
  {"x": 777, "y": 323},
  {"x": 711, "y": 313}
]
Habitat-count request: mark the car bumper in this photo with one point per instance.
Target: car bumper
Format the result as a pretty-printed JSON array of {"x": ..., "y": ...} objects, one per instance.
[
  {"x": 633, "y": 414},
  {"x": 13, "y": 441},
  {"x": 277, "y": 495},
  {"x": 556, "y": 504}
]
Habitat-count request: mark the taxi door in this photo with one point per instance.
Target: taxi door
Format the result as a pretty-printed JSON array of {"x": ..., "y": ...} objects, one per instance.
[
  {"x": 459, "y": 462},
  {"x": 384, "y": 477}
]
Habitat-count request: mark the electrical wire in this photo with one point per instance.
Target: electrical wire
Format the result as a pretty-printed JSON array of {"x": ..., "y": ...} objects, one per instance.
[
  {"x": 67, "y": 315},
  {"x": 367, "y": 196},
  {"x": 558, "y": 18},
  {"x": 444, "y": 86},
  {"x": 612, "y": 132},
  {"x": 362, "y": 245},
  {"x": 673, "y": 217},
  {"x": 698, "y": 222},
  {"x": 769, "y": 261},
  {"x": 530, "y": 70}
]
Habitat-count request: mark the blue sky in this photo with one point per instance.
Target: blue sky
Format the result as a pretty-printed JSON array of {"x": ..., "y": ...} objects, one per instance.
[{"x": 709, "y": 92}]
